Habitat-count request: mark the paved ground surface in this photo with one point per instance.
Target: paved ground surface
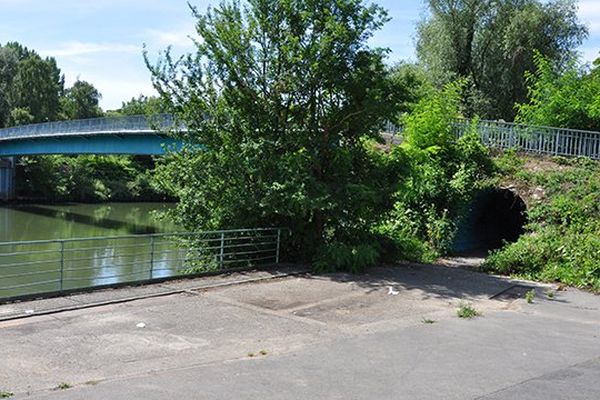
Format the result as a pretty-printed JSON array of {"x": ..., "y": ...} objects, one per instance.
[{"x": 306, "y": 337}]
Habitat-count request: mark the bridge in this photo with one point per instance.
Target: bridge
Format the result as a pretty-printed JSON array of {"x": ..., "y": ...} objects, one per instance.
[
  {"x": 133, "y": 135},
  {"x": 137, "y": 135}
]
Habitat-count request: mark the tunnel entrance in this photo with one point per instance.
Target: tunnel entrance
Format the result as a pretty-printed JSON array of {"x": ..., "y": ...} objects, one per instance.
[{"x": 494, "y": 216}]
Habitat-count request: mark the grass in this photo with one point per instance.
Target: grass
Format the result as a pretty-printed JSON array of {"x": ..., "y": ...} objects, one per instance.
[
  {"x": 63, "y": 386},
  {"x": 530, "y": 296},
  {"x": 6, "y": 395},
  {"x": 467, "y": 311},
  {"x": 563, "y": 231}
]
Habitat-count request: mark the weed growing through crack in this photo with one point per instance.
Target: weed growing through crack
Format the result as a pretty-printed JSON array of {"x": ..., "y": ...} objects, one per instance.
[
  {"x": 263, "y": 353},
  {"x": 251, "y": 355},
  {"x": 63, "y": 386},
  {"x": 550, "y": 294},
  {"x": 428, "y": 321},
  {"x": 6, "y": 395},
  {"x": 467, "y": 311},
  {"x": 529, "y": 296}
]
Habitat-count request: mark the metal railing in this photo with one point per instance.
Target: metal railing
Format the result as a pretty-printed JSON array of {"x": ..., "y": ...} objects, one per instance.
[
  {"x": 504, "y": 135},
  {"x": 55, "y": 266},
  {"x": 527, "y": 138},
  {"x": 537, "y": 139},
  {"x": 110, "y": 125}
]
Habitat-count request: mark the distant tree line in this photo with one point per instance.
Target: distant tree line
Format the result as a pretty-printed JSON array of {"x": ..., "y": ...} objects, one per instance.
[{"x": 32, "y": 90}]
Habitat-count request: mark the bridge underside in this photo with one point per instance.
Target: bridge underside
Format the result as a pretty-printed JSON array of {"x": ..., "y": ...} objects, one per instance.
[{"x": 102, "y": 145}]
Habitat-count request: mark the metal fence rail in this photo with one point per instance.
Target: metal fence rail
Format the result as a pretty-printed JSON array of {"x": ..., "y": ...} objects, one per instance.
[
  {"x": 43, "y": 267},
  {"x": 537, "y": 139},
  {"x": 131, "y": 124},
  {"x": 527, "y": 138}
]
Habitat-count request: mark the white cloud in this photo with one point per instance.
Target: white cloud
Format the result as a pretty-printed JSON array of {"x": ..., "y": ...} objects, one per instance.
[
  {"x": 71, "y": 49},
  {"x": 589, "y": 12},
  {"x": 177, "y": 38},
  {"x": 590, "y": 54}
]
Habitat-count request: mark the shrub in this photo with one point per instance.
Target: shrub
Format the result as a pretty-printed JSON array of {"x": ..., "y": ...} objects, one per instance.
[
  {"x": 442, "y": 175},
  {"x": 337, "y": 257}
]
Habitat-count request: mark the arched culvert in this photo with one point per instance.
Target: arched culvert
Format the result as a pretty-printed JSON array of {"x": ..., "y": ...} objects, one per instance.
[{"x": 493, "y": 217}]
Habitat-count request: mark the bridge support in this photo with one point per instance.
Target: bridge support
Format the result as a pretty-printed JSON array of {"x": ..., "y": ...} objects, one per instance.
[{"x": 7, "y": 178}]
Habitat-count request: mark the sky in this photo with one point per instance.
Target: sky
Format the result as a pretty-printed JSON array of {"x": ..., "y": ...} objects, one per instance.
[{"x": 101, "y": 41}]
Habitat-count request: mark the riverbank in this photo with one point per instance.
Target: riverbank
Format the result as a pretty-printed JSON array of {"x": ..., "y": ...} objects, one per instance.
[
  {"x": 562, "y": 236},
  {"x": 88, "y": 179}
]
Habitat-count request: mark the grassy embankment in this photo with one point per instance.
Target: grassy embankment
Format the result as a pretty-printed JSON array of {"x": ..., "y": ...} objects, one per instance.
[{"x": 562, "y": 242}]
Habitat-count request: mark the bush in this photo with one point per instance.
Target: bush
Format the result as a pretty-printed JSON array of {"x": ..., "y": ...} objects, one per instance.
[
  {"x": 552, "y": 255},
  {"x": 338, "y": 257},
  {"x": 442, "y": 175}
]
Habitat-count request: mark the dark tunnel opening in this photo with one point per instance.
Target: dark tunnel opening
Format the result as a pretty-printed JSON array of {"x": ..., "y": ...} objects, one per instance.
[{"x": 494, "y": 217}]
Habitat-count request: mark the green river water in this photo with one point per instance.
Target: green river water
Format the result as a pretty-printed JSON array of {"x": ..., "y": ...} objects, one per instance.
[{"x": 52, "y": 266}]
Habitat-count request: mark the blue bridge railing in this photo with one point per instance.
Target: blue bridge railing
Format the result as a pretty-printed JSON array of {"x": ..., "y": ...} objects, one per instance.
[{"x": 110, "y": 125}]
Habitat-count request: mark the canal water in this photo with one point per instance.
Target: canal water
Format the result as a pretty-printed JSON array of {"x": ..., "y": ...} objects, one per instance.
[
  {"x": 46, "y": 222},
  {"x": 53, "y": 266}
]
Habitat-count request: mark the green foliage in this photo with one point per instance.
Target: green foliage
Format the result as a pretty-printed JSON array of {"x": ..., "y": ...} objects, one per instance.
[
  {"x": 442, "y": 175},
  {"x": 37, "y": 87},
  {"x": 282, "y": 100},
  {"x": 492, "y": 44},
  {"x": 467, "y": 311},
  {"x": 32, "y": 90},
  {"x": 86, "y": 179},
  {"x": 6, "y": 395},
  {"x": 509, "y": 163},
  {"x": 63, "y": 386},
  {"x": 20, "y": 116},
  {"x": 81, "y": 101},
  {"x": 563, "y": 235},
  {"x": 338, "y": 256},
  {"x": 530, "y": 296},
  {"x": 566, "y": 96},
  {"x": 413, "y": 85},
  {"x": 142, "y": 105}
]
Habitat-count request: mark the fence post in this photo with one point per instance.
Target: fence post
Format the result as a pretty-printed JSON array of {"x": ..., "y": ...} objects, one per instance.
[
  {"x": 62, "y": 264},
  {"x": 151, "y": 257},
  {"x": 278, "y": 245},
  {"x": 222, "y": 251}
]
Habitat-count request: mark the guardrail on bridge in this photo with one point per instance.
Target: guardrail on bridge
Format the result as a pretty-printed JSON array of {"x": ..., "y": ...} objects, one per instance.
[{"x": 129, "y": 124}]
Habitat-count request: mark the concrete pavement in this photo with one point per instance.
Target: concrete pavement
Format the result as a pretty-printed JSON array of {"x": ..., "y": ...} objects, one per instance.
[{"x": 307, "y": 337}]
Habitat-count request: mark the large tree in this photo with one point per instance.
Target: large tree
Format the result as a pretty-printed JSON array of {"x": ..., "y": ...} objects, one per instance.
[
  {"x": 278, "y": 99},
  {"x": 492, "y": 43},
  {"x": 81, "y": 101},
  {"x": 29, "y": 85}
]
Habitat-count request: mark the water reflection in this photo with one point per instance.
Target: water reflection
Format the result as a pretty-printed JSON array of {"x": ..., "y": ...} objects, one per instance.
[{"x": 34, "y": 268}]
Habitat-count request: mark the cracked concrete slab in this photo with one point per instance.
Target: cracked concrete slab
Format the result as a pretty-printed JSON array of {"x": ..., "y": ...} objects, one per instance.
[{"x": 308, "y": 337}]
